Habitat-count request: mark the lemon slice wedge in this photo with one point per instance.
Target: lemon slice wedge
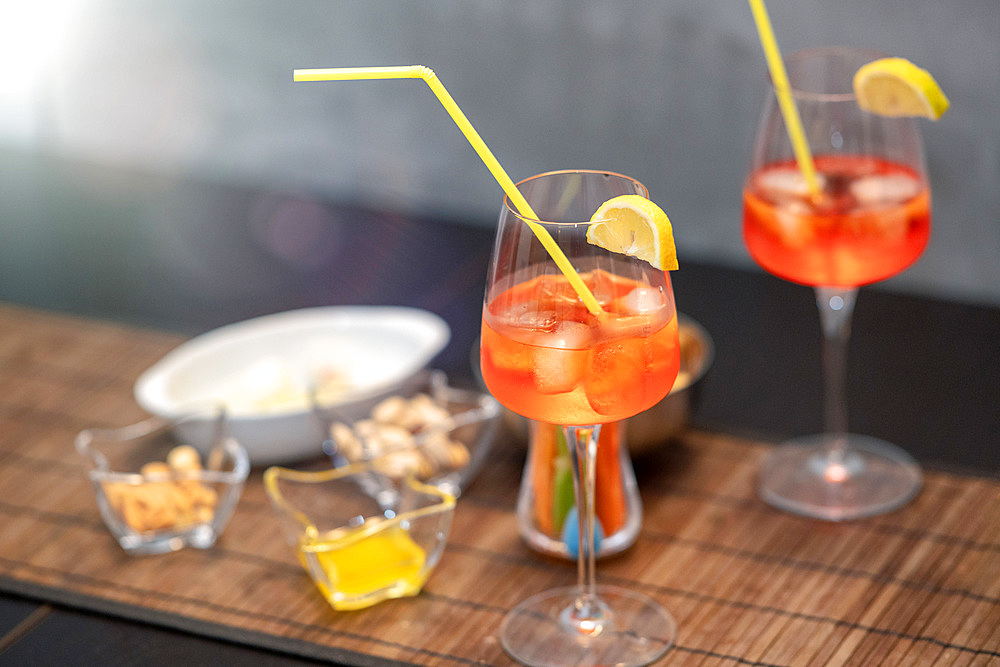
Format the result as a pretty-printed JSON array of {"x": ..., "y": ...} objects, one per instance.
[
  {"x": 897, "y": 87},
  {"x": 634, "y": 226}
]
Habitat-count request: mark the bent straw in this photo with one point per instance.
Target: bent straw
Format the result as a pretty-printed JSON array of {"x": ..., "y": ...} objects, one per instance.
[
  {"x": 784, "y": 92},
  {"x": 528, "y": 215}
]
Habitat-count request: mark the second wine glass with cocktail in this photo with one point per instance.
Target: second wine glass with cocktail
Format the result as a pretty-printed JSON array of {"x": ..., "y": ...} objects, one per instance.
[{"x": 856, "y": 212}]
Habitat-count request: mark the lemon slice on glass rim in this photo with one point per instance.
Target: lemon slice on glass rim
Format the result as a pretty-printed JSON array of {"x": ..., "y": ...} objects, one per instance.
[
  {"x": 635, "y": 226},
  {"x": 897, "y": 87}
]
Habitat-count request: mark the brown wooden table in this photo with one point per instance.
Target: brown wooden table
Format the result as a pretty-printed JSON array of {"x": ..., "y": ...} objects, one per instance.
[
  {"x": 748, "y": 585},
  {"x": 114, "y": 268}
]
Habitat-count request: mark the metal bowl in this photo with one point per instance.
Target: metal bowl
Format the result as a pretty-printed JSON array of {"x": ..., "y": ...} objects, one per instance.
[{"x": 671, "y": 415}]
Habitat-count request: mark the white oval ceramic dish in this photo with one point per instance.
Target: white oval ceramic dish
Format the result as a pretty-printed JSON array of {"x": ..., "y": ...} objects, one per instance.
[{"x": 264, "y": 369}]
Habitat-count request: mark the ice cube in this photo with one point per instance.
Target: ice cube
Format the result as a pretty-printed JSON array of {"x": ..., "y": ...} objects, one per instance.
[
  {"x": 558, "y": 371},
  {"x": 793, "y": 223},
  {"x": 642, "y": 300},
  {"x": 554, "y": 293},
  {"x": 884, "y": 189},
  {"x": 602, "y": 285},
  {"x": 638, "y": 313},
  {"x": 559, "y": 365},
  {"x": 784, "y": 184},
  {"x": 885, "y": 224},
  {"x": 510, "y": 357},
  {"x": 891, "y": 225},
  {"x": 569, "y": 335},
  {"x": 614, "y": 381},
  {"x": 537, "y": 320}
]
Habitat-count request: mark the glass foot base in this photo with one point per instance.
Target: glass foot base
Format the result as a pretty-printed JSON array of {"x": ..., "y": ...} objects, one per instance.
[
  {"x": 872, "y": 477},
  {"x": 634, "y": 630}
]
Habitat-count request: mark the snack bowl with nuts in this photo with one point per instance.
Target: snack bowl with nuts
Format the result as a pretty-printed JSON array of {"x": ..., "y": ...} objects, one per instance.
[
  {"x": 158, "y": 494},
  {"x": 438, "y": 433}
]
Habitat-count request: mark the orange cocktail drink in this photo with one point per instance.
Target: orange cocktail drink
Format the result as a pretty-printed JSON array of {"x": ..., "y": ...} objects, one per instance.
[
  {"x": 870, "y": 220},
  {"x": 545, "y": 356}
]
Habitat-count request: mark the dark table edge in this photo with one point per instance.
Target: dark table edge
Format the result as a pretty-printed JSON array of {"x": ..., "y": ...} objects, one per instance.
[{"x": 208, "y": 629}]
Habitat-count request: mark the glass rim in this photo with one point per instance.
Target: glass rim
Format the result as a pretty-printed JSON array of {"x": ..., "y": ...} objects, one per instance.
[
  {"x": 825, "y": 52},
  {"x": 94, "y": 443},
  {"x": 275, "y": 477},
  {"x": 566, "y": 172}
]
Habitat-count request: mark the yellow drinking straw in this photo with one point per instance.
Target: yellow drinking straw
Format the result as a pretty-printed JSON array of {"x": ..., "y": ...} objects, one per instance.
[
  {"x": 784, "y": 92},
  {"x": 427, "y": 74}
]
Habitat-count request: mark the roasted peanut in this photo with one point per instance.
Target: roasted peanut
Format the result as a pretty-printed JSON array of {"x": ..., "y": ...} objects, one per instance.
[
  {"x": 160, "y": 502},
  {"x": 155, "y": 469},
  {"x": 184, "y": 457},
  {"x": 405, "y": 435}
]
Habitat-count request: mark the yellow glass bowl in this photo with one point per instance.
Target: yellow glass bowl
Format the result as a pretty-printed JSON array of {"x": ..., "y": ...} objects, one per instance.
[{"x": 362, "y": 537}]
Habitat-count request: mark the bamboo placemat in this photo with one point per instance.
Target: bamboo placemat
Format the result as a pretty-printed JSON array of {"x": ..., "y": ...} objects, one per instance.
[{"x": 748, "y": 585}]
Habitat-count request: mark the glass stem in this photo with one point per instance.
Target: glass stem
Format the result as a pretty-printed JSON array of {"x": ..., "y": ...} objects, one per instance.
[
  {"x": 588, "y": 613},
  {"x": 836, "y": 307}
]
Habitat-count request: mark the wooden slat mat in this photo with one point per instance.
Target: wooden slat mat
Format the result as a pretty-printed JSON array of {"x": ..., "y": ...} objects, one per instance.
[{"x": 747, "y": 585}]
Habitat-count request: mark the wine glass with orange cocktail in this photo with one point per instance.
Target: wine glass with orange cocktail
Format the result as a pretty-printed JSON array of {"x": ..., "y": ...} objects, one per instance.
[{"x": 581, "y": 356}]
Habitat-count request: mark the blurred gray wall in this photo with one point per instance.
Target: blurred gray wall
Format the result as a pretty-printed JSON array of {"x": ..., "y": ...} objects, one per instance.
[{"x": 666, "y": 91}]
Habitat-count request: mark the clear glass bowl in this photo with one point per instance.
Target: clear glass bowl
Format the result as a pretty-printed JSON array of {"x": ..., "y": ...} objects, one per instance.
[
  {"x": 158, "y": 494},
  {"x": 437, "y": 433},
  {"x": 361, "y": 548}
]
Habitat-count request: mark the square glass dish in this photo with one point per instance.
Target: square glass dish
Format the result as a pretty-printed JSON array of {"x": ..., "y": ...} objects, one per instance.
[
  {"x": 439, "y": 434},
  {"x": 158, "y": 494},
  {"x": 360, "y": 548}
]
